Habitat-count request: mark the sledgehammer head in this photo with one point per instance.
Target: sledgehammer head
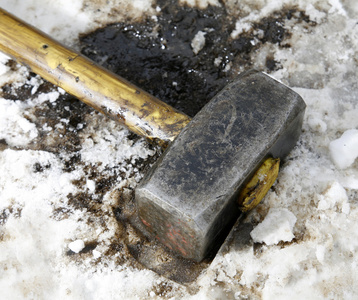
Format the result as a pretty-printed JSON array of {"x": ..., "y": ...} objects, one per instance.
[{"x": 189, "y": 198}]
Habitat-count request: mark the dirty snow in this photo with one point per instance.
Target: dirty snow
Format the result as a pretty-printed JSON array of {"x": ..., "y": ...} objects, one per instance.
[{"x": 309, "y": 247}]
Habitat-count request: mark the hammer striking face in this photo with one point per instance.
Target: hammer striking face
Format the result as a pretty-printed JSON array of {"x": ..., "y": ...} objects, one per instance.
[{"x": 189, "y": 198}]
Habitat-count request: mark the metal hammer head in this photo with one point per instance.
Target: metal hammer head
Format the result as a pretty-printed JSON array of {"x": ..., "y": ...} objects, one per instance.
[{"x": 189, "y": 198}]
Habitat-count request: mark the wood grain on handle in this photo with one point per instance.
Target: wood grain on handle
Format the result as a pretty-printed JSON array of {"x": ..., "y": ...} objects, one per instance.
[{"x": 108, "y": 93}]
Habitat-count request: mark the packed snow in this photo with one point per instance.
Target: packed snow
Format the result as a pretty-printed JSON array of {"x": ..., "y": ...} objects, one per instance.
[
  {"x": 301, "y": 242},
  {"x": 198, "y": 42},
  {"x": 276, "y": 227},
  {"x": 76, "y": 246},
  {"x": 344, "y": 150}
]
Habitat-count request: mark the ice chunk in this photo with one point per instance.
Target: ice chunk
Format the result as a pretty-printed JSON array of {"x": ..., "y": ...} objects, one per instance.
[
  {"x": 76, "y": 246},
  {"x": 198, "y": 42},
  {"x": 276, "y": 227},
  {"x": 344, "y": 150},
  {"x": 91, "y": 185}
]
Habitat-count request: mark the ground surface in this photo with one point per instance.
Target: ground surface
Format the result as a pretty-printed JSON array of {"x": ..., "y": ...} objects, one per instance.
[{"x": 67, "y": 173}]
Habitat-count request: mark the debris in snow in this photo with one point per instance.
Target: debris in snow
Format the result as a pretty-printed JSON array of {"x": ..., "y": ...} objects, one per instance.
[
  {"x": 344, "y": 150},
  {"x": 198, "y": 42},
  {"x": 276, "y": 227},
  {"x": 76, "y": 246}
]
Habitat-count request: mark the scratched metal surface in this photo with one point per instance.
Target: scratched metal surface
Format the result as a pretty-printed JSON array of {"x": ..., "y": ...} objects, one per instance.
[{"x": 197, "y": 180}]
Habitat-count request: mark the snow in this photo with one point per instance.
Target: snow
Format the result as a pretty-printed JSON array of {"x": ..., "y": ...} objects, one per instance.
[
  {"x": 301, "y": 242},
  {"x": 16, "y": 129},
  {"x": 315, "y": 14},
  {"x": 3, "y": 67},
  {"x": 64, "y": 20},
  {"x": 276, "y": 227},
  {"x": 344, "y": 150},
  {"x": 96, "y": 254},
  {"x": 91, "y": 185},
  {"x": 198, "y": 41},
  {"x": 240, "y": 27},
  {"x": 200, "y": 3},
  {"x": 77, "y": 246},
  {"x": 335, "y": 194}
]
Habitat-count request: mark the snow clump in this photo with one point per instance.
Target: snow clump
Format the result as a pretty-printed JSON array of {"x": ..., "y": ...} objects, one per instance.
[
  {"x": 76, "y": 246},
  {"x": 198, "y": 42},
  {"x": 344, "y": 150},
  {"x": 276, "y": 227}
]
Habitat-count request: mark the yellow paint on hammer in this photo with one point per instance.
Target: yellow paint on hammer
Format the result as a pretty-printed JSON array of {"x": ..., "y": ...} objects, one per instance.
[{"x": 260, "y": 183}]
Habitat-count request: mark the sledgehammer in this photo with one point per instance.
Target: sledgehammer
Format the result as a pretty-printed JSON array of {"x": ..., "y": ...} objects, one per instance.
[{"x": 216, "y": 165}]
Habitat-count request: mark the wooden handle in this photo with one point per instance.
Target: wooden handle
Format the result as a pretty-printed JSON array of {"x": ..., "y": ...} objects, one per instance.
[{"x": 108, "y": 93}]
